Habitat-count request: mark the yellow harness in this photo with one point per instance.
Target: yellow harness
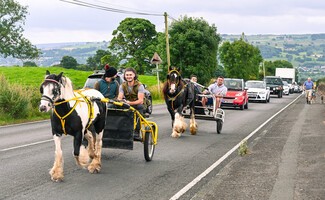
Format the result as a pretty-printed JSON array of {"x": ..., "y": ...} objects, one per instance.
[
  {"x": 172, "y": 99},
  {"x": 77, "y": 99}
]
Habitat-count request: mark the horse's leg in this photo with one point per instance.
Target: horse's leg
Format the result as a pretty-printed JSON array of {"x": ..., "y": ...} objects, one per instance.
[
  {"x": 193, "y": 124},
  {"x": 57, "y": 170},
  {"x": 91, "y": 143},
  {"x": 179, "y": 124},
  {"x": 86, "y": 153},
  {"x": 96, "y": 164},
  {"x": 172, "y": 114},
  {"x": 79, "y": 151}
]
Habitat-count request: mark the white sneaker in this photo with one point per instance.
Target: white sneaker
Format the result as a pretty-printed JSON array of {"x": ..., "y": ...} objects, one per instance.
[{"x": 206, "y": 111}]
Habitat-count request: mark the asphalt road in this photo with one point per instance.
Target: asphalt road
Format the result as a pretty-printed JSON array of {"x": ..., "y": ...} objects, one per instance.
[
  {"x": 27, "y": 154},
  {"x": 286, "y": 161}
]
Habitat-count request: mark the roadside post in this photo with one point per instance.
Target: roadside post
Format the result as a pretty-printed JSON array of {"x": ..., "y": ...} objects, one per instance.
[{"x": 156, "y": 60}]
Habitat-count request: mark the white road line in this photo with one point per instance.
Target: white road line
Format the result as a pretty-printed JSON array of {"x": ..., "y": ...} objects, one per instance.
[
  {"x": 218, "y": 162},
  {"x": 25, "y": 145}
]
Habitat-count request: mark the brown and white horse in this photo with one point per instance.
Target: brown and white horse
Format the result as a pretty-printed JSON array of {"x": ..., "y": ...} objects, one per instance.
[
  {"x": 178, "y": 94},
  {"x": 75, "y": 114}
]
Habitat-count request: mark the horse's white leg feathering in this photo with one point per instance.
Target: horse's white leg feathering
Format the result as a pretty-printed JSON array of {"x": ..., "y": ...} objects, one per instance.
[{"x": 57, "y": 170}]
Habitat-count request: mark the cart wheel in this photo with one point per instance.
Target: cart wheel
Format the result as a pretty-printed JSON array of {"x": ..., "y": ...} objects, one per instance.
[
  {"x": 149, "y": 147},
  {"x": 219, "y": 125}
]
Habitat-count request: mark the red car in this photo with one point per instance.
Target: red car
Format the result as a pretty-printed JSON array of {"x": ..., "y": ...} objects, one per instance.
[{"x": 236, "y": 95}]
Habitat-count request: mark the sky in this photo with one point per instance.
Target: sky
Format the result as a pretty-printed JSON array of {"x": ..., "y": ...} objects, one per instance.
[{"x": 56, "y": 21}]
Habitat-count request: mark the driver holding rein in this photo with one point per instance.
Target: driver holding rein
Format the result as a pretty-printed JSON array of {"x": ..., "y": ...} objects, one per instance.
[{"x": 132, "y": 92}]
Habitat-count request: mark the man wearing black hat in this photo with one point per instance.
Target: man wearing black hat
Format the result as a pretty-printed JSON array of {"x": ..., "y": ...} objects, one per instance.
[{"x": 108, "y": 86}]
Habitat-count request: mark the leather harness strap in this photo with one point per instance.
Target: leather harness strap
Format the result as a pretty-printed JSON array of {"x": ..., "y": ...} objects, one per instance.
[{"x": 77, "y": 99}]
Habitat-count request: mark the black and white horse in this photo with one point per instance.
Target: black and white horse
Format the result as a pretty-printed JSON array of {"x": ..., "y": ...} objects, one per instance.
[
  {"x": 178, "y": 94},
  {"x": 75, "y": 114}
]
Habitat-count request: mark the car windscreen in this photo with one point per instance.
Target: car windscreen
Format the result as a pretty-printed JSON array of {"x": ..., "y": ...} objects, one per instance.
[
  {"x": 255, "y": 85},
  {"x": 233, "y": 84},
  {"x": 90, "y": 83},
  {"x": 276, "y": 81}
]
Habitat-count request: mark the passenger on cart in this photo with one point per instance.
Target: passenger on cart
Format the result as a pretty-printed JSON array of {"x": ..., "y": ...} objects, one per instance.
[
  {"x": 108, "y": 86},
  {"x": 218, "y": 89},
  {"x": 132, "y": 92}
]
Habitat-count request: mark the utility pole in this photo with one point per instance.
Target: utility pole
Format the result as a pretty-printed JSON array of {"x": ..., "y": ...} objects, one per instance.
[
  {"x": 167, "y": 40},
  {"x": 263, "y": 70}
]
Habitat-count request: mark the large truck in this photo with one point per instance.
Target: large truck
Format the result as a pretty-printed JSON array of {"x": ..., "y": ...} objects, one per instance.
[{"x": 288, "y": 75}]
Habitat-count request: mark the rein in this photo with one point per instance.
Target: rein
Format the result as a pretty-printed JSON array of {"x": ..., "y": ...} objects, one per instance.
[
  {"x": 77, "y": 99},
  {"x": 172, "y": 99}
]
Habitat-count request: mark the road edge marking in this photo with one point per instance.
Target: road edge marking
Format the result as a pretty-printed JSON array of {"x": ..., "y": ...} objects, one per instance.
[
  {"x": 25, "y": 145},
  {"x": 225, "y": 156}
]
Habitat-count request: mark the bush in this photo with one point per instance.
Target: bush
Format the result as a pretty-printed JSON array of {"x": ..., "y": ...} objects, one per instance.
[{"x": 14, "y": 101}]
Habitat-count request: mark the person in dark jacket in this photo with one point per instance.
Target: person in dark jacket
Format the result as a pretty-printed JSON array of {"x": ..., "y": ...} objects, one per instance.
[{"x": 108, "y": 86}]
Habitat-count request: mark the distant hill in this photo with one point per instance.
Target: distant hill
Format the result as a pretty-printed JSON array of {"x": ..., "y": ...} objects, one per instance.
[
  {"x": 304, "y": 51},
  {"x": 53, "y": 53}
]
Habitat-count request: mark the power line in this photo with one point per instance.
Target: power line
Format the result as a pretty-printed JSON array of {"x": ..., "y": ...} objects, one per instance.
[
  {"x": 105, "y": 3},
  {"x": 110, "y": 9}
]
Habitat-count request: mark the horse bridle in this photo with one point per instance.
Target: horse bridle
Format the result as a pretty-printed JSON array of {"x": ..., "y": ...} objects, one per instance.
[
  {"x": 172, "y": 99},
  {"x": 56, "y": 91},
  {"x": 177, "y": 81}
]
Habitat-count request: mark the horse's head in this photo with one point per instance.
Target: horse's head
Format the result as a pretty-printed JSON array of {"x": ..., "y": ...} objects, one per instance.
[
  {"x": 174, "y": 79},
  {"x": 51, "y": 90}
]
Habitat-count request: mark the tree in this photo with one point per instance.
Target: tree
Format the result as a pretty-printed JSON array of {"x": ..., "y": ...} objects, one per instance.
[
  {"x": 271, "y": 65},
  {"x": 240, "y": 59},
  {"x": 29, "y": 64},
  {"x": 68, "y": 62},
  {"x": 134, "y": 40},
  {"x": 110, "y": 59},
  {"x": 193, "y": 47},
  {"x": 12, "y": 17},
  {"x": 94, "y": 62}
]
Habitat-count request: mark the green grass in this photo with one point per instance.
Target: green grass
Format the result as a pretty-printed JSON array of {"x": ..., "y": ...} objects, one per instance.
[{"x": 34, "y": 76}]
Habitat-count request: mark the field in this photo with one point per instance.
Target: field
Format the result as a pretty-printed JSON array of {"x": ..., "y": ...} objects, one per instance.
[
  {"x": 20, "y": 91},
  {"x": 34, "y": 76}
]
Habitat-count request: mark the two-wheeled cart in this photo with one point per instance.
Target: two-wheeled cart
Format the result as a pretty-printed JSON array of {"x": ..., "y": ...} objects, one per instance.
[
  {"x": 209, "y": 112},
  {"x": 122, "y": 121}
]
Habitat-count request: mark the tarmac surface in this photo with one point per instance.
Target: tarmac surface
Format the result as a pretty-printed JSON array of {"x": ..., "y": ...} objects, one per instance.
[{"x": 286, "y": 160}]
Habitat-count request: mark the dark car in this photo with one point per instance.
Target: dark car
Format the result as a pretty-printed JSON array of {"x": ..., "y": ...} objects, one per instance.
[
  {"x": 98, "y": 74},
  {"x": 275, "y": 84}
]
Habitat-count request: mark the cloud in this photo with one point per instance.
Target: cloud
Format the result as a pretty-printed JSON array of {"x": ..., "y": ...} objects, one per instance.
[{"x": 57, "y": 21}]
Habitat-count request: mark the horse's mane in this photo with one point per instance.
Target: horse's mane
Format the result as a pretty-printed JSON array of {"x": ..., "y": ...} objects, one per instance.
[{"x": 67, "y": 83}]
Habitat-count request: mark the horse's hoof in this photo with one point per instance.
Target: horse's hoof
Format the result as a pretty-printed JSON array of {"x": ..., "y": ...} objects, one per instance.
[
  {"x": 56, "y": 177},
  {"x": 193, "y": 132},
  {"x": 94, "y": 169},
  {"x": 175, "y": 135},
  {"x": 57, "y": 180}
]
